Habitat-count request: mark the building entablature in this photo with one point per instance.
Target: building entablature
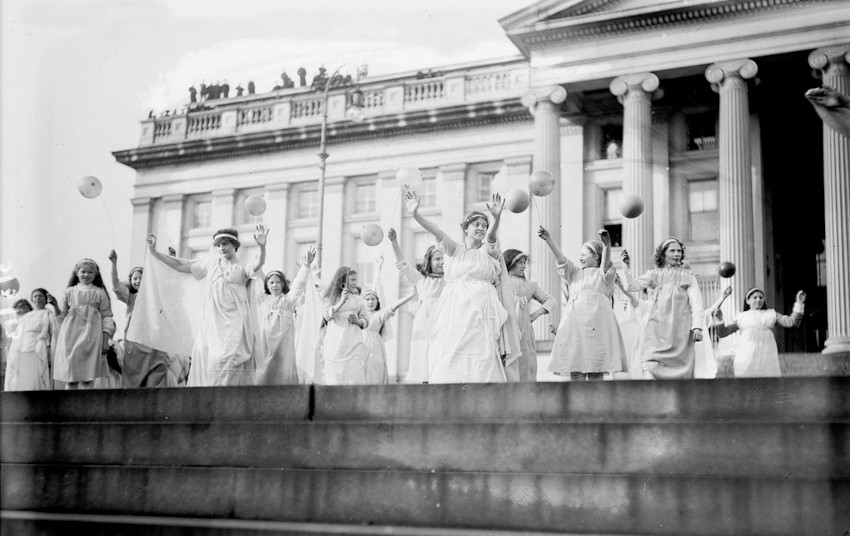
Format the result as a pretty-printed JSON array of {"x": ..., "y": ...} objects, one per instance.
[
  {"x": 590, "y": 42},
  {"x": 452, "y": 98}
]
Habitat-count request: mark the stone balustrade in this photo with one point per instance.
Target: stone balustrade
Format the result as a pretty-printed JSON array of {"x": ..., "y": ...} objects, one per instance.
[{"x": 302, "y": 107}]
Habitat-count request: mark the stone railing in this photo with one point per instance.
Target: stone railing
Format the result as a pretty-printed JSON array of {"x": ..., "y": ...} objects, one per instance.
[{"x": 382, "y": 96}]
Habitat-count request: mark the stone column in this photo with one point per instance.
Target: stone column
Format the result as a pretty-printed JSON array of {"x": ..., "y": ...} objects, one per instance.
[
  {"x": 389, "y": 201},
  {"x": 141, "y": 230},
  {"x": 276, "y": 219},
  {"x": 635, "y": 93},
  {"x": 172, "y": 234},
  {"x": 737, "y": 238},
  {"x": 545, "y": 104},
  {"x": 833, "y": 64}
]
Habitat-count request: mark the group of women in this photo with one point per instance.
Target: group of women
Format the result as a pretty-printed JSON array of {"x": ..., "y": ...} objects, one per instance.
[{"x": 473, "y": 320}]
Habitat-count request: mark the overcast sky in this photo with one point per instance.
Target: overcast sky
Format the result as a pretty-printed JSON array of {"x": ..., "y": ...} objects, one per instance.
[{"x": 77, "y": 76}]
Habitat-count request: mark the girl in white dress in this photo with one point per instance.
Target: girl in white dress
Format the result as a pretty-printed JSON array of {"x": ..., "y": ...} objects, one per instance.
[
  {"x": 343, "y": 351},
  {"x": 675, "y": 321},
  {"x": 275, "y": 357},
  {"x": 376, "y": 333},
  {"x": 427, "y": 279},
  {"x": 524, "y": 291},
  {"x": 588, "y": 343},
  {"x": 468, "y": 316},
  {"x": 222, "y": 353},
  {"x": 31, "y": 352},
  {"x": 756, "y": 355},
  {"x": 86, "y": 329}
]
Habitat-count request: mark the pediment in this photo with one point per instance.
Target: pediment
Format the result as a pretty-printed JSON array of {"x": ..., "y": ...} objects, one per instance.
[{"x": 547, "y": 11}]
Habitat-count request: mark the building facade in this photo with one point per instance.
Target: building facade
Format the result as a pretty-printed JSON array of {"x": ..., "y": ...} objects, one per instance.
[{"x": 696, "y": 106}]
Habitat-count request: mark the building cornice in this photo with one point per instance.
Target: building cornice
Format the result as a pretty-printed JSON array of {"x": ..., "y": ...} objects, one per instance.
[
  {"x": 239, "y": 145},
  {"x": 533, "y": 35}
]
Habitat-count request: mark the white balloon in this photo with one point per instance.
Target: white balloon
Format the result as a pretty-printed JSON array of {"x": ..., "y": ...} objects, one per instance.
[
  {"x": 89, "y": 186},
  {"x": 372, "y": 234},
  {"x": 255, "y": 205},
  {"x": 408, "y": 177},
  {"x": 541, "y": 183}
]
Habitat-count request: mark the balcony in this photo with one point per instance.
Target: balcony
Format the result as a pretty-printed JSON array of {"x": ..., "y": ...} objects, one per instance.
[{"x": 390, "y": 95}]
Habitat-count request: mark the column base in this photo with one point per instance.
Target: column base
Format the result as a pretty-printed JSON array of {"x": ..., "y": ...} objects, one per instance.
[{"x": 836, "y": 345}]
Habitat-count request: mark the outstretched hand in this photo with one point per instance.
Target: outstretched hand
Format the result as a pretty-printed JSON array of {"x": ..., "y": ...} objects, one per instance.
[
  {"x": 496, "y": 205},
  {"x": 412, "y": 200},
  {"x": 827, "y": 97},
  {"x": 727, "y": 292},
  {"x": 151, "y": 241},
  {"x": 310, "y": 256},
  {"x": 801, "y": 297},
  {"x": 261, "y": 235},
  {"x": 391, "y": 234},
  {"x": 697, "y": 334},
  {"x": 543, "y": 233},
  {"x": 605, "y": 237},
  {"x": 113, "y": 256}
]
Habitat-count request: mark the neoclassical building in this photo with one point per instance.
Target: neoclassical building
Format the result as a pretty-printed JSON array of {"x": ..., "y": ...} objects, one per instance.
[{"x": 697, "y": 106}]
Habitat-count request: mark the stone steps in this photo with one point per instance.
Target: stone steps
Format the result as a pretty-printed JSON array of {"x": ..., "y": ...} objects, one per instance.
[{"x": 706, "y": 458}]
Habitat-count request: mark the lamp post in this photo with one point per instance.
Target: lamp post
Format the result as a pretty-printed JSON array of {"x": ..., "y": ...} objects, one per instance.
[{"x": 355, "y": 110}]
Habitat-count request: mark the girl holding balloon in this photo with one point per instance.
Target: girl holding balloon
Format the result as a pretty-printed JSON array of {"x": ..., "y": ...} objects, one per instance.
[
  {"x": 343, "y": 351},
  {"x": 86, "y": 329},
  {"x": 468, "y": 316},
  {"x": 222, "y": 353},
  {"x": 524, "y": 292},
  {"x": 675, "y": 322},
  {"x": 427, "y": 279},
  {"x": 276, "y": 364},
  {"x": 588, "y": 342},
  {"x": 756, "y": 355}
]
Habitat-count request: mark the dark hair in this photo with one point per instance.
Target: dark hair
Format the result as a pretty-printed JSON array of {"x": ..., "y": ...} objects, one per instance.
[
  {"x": 46, "y": 294},
  {"x": 426, "y": 268},
  {"x": 747, "y": 295},
  {"x": 471, "y": 217},
  {"x": 98, "y": 280},
  {"x": 284, "y": 282},
  {"x": 20, "y": 303},
  {"x": 234, "y": 232},
  {"x": 338, "y": 283},
  {"x": 513, "y": 255},
  {"x": 658, "y": 257}
]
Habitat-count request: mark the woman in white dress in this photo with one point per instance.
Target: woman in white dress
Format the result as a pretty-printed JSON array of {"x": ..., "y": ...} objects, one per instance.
[
  {"x": 343, "y": 351},
  {"x": 30, "y": 354},
  {"x": 222, "y": 353},
  {"x": 468, "y": 316},
  {"x": 524, "y": 291},
  {"x": 275, "y": 357},
  {"x": 756, "y": 355},
  {"x": 675, "y": 322},
  {"x": 427, "y": 279},
  {"x": 588, "y": 343}
]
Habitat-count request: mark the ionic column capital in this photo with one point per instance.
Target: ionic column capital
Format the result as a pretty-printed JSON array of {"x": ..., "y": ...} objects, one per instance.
[
  {"x": 622, "y": 86},
  {"x": 826, "y": 58},
  {"x": 553, "y": 94},
  {"x": 733, "y": 70}
]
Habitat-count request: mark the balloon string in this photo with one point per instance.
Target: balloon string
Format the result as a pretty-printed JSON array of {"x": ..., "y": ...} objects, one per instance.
[
  {"x": 109, "y": 217},
  {"x": 395, "y": 207},
  {"x": 537, "y": 209}
]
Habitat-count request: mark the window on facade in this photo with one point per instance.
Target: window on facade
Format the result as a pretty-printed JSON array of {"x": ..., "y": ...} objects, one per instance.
[
  {"x": 364, "y": 198},
  {"x": 612, "y": 220},
  {"x": 612, "y": 141},
  {"x": 703, "y": 217},
  {"x": 428, "y": 192},
  {"x": 240, "y": 214},
  {"x": 483, "y": 186},
  {"x": 308, "y": 204},
  {"x": 201, "y": 214},
  {"x": 247, "y": 253},
  {"x": 702, "y": 134}
]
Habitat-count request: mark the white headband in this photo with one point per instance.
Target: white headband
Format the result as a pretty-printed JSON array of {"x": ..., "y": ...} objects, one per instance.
[{"x": 225, "y": 235}]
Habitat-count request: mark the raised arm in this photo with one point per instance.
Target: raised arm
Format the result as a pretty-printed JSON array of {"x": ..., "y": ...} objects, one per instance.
[
  {"x": 832, "y": 107},
  {"x": 175, "y": 263},
  {"x": 495, "y": 206},
  {"x": 796, "y": 317},
  {"x": 631, "y": 283},
  {"x": 412, "y": 201},
  {"x": 299, "y": 284},
  {"x": 392, "y": 236},
  {"x": 718, "y": 326},
  {"x": 261, "y": 236},
  {"x": 122, "y": 291},
  {"x": 605, "y": 263},
  {"x": 556, "y": 250},
  {"x": 401, "y": 302}
]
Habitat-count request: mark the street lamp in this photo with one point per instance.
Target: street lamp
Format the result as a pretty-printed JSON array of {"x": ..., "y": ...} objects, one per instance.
[{"x": 354, "y": 108}]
